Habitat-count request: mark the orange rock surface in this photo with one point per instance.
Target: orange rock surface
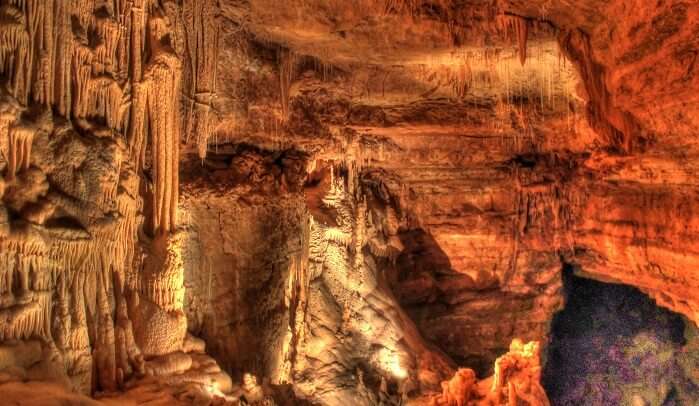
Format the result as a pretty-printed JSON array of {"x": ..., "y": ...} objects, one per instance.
[{"x": 517, "y": 379}]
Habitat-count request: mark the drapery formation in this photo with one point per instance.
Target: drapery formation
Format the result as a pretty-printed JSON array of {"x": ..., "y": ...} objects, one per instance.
[{"x": 99, "y": 86}]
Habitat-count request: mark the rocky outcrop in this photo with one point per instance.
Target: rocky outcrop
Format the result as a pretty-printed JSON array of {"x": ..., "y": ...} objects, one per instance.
[{"x": 517, "y": 379}]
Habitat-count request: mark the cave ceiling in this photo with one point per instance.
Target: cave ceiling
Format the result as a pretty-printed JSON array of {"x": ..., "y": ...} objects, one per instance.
[{"x": 439, "y": 89}]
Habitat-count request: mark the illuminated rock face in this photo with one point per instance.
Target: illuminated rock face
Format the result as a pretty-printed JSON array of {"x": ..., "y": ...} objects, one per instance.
[
  {"x": 91, "y": 272},
  {"x": 241, "y": 250},
  {"x": 346, "y": 200},
  {"x": 517, "y": 379}
]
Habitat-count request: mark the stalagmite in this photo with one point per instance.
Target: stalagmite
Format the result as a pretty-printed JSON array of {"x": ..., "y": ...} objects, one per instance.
[
  {"x": 518, "y": 373},
  {"x": 517, "y": 380},
  {"x": 104, "y": 349},
  {"x": 129, "y": 360}
]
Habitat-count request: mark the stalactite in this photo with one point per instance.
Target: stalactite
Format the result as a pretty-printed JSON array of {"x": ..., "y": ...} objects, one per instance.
[
  {"x": 14, "y": 50},
  {"x": 338, "y": 236},
  {"x": 515, "y": 27},
  {"x": 62, "y": 61},
  {"x": 137, "y": 130},
  {"x": 162, "y": 105},
  {"x": 287, "y": 71},
  {"x": 109, "y": 33},
  {"x": 105, "y": 99},
  {"x": 21, "y": 139},
  {"x": 162, "y": 281},
  {"x": 25, "y": 321},
  {"x": 461, "y": 81},
  {"x": 25, "y": 295},
  {"x": 165, "y": 288},
  {"x": 138, "y": 39},
  {"x": 81, "y": 73},
  {"x": 297, "y": 294},
  {"x": 154, "y": 112},
  {"x": 44, "y": 49},
  {"x": 78, "y": 356},
  {"x": 157, "y": 104},
  {"x": 129, "y": 359},
  {"x": 203, "y": 33},
  {"x": 360, "y": 231},
  {"x": 62, "y": 325},
  {"x": 9, "y": 113}
]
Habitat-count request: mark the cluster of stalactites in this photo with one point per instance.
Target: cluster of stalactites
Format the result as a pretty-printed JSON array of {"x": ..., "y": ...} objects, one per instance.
[
  {"x": 89, "y": 62},
  {"x": 154, "y": 112},
  {"x": 108, "y": 63},
  {"x": 412, "y": 7},
  {"x": 18, "y": 139},
  {"x": 67, "y": 55},
  {"x": 25, "y": 298},
  {"x": 14, "y": 49},
  {"x": 358, "y": 225},
  {"x": 52, "y": 282},
  {"x": 287, "y": 71},
  {"x": 518, "y": 28}
]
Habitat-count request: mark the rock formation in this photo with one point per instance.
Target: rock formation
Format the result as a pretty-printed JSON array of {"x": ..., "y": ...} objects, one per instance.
[
  {"x": 516, "y": 381},
  {"x": 333, "y": 202}
]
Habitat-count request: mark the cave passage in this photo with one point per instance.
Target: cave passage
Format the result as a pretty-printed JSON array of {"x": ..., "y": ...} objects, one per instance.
[{"x": 612, "y": 345}]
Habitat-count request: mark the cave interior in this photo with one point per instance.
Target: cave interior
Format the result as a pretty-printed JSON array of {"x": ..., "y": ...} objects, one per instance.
[{"x": 349, "y": 202}]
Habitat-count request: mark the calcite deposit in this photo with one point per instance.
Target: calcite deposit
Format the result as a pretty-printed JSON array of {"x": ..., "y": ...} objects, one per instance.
[{"x": 345, "y": 202}]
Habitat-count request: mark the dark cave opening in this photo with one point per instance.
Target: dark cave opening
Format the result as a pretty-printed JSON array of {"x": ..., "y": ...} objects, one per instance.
[{"x": 612, "y": 345}]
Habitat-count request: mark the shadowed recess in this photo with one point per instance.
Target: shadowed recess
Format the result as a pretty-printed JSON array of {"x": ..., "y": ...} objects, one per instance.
[{"x": 612, "y": 345}]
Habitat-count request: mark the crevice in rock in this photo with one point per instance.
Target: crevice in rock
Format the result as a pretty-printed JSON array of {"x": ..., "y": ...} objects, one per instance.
[
  {"x": 612, "y": 344},
  {"x": 620, "y": 129}
]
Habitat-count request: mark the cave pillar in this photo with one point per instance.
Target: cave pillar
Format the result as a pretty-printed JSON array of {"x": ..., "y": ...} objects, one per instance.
[{"x": 159, "y": 322}]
